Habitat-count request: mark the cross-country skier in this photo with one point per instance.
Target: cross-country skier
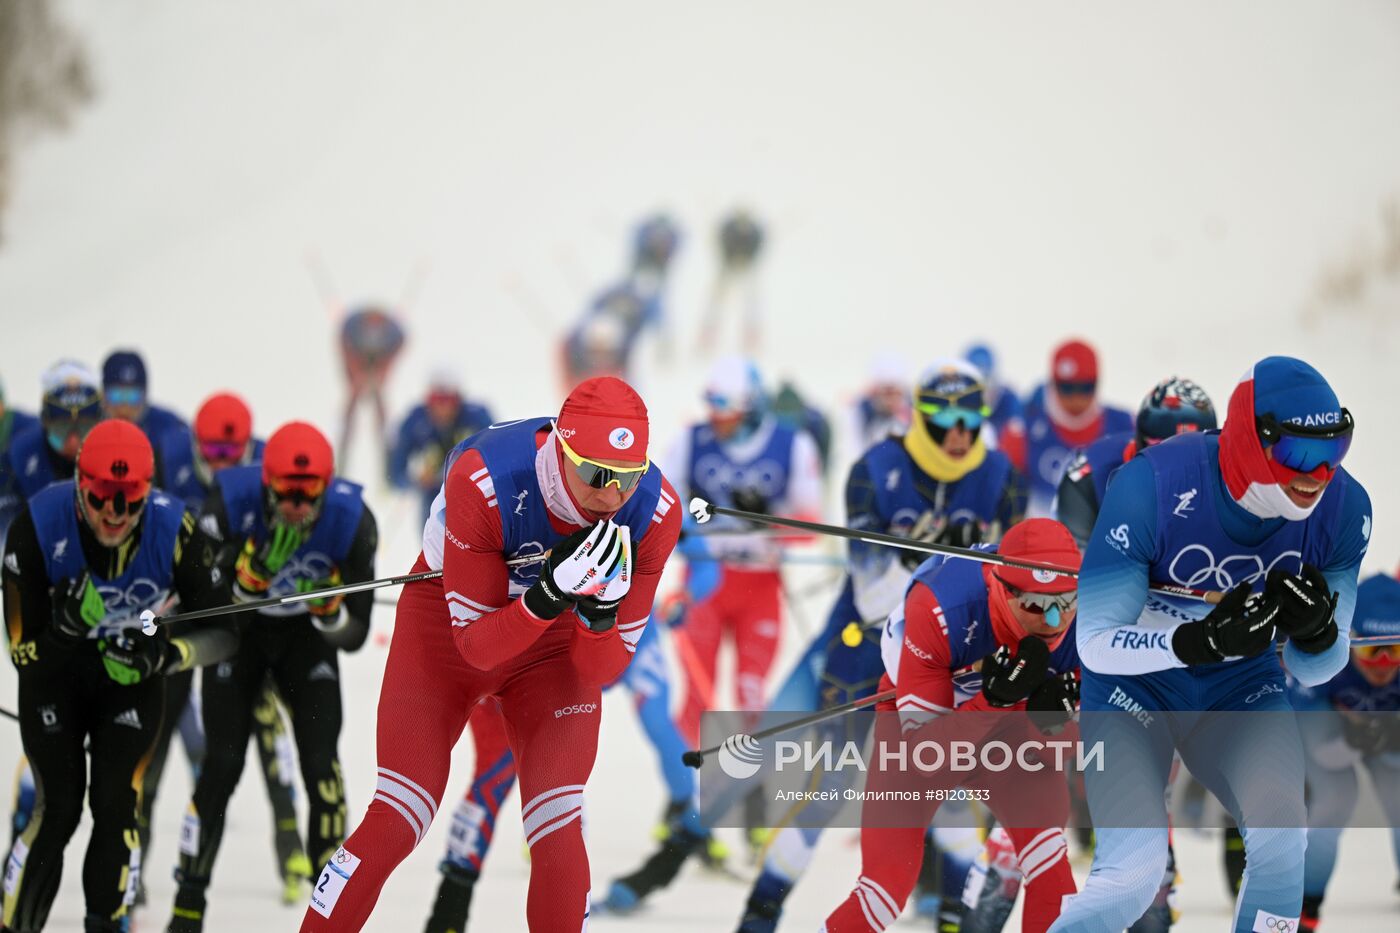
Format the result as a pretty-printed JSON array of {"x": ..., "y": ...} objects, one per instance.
[
  {"x": 1174, "y": 406},
  {"x": 294, "y": 526},
  {"x": 741, "y": 241},
  {"x": 429, "y": 431},
  {"x": 1264, "y": 512},
  {"x": 124, "y": 395},
  {"x": 955, "y": 614},
  {"x": 371, "y": 338},
  {"x": 1349, "y": 723},
  {"x": 47, "y": 452},
  {"x": 82, "y": 561},
  {"x": 589, "y": 522},
  {"x": 882, "y": 409},
  {"x": 1062, "y": 416},
  {"x": 741, "y": 457},
  {"x": 937, "y": 482},
  {"x": 222, "y": 437}
]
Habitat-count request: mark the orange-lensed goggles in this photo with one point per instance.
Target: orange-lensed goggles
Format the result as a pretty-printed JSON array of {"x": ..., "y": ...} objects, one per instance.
[
  {"x": 126, "y": 498},
  {"x": 297, "y": 489},
  {"x": 601, "y": 476},
  {"x": 1378, "y": 655}
]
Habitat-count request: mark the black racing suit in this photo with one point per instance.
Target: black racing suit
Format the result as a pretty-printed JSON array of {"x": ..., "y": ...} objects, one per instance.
[
  {"x": 67, "y": 699},
  {"x": 302, "y": 660}
]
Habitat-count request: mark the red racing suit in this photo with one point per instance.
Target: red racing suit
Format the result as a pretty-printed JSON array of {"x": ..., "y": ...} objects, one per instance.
[{"x": 467, "y": 636}]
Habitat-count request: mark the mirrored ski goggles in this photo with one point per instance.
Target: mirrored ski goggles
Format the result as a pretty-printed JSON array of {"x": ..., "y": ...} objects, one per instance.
[
  {"x": 1303, "y": 450},
  {"x": 947, "y": 416},
  {"x": 58, "y": 434},
  {"x": 601, "y": 476},
  {"x": 1043, "y": 602},
  {"x": 126, "y": 498},
  {"x": 296, "y": 489},
  {"x": 221, "y": 451},
  {"x": 1378, "y": 655},
  {"x": 1077, "y": 388},
  {"x": 129, "y": 395}
]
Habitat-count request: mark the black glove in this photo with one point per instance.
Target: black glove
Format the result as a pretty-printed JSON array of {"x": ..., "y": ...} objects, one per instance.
[
  {"x": 963, "y": 535},
  {"x": 131, "y": 657},
  {"x": 1053, "y": 703},
  {"x": 750, "y": 500},
  {"x": 1372, "y": 733},
  {"x": 1007, "y": 681},
  {"x": 600, "y": 615},
  {"x": 1242, "y": 625},
  {"x": 574, "y": 568},
  {"x": 78, "y": 608},
  {"x": 1306, "y": 608}
]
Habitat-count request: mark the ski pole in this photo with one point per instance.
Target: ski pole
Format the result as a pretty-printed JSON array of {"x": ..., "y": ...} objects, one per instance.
[
  {"x": 703, "y": 511},
  {"x": 149, "y": 620},
  {"x": 696, "y": 757}
]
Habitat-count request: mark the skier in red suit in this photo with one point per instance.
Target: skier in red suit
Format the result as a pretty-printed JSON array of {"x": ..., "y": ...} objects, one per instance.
[{"x": 551, "y": 535}]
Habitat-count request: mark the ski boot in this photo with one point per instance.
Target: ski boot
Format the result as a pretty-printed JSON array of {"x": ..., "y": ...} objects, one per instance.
[
  {"x": 296, "y": 869},
  {"x": 188, "y": 913},
  {"x": 454, "y": 899},
  {"x": 625, "y": 894},
  {"x": 765, "y": 904}
]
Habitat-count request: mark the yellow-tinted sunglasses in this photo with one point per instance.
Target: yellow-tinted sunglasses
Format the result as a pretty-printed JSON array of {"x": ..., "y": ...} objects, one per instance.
[{"x": 601, "y": 476}]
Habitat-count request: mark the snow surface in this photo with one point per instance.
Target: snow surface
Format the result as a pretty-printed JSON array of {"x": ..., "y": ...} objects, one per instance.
[{"x": 1192, "y": 187}]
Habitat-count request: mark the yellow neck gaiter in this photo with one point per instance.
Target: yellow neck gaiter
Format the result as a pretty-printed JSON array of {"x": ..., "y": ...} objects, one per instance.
[{"x": 933, "y": 461}]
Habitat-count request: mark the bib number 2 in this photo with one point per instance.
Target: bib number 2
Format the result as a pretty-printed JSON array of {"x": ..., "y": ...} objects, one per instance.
[{"x": 332, "y": 881}]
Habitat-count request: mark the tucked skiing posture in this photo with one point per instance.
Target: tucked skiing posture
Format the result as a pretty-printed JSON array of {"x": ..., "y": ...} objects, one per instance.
[
  {"x": 938, "y": 482},
  {"x": 1264, "y": 512},
  {"x": 293, "y": 526},
  {"x": 586, "y": 523},
  {"x": 1350, "y": 723},
  {"x": 81, "y": 563},
  {"x": 955, "y": 614},
  {"x": 1062, "y": 416}
]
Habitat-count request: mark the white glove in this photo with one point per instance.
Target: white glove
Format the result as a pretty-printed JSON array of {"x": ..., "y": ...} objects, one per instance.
[{"x": 581, "y": 565}]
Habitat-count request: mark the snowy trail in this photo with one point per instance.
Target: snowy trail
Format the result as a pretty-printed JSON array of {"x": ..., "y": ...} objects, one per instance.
[{"x": 1175, "y": 185}]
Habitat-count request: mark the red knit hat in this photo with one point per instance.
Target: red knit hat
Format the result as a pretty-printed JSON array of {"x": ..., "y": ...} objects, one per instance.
[
  {"x": 1074, "y": 361},
  {"x": 1041, "y": 541},
  {"x": 605, "y": 419}
]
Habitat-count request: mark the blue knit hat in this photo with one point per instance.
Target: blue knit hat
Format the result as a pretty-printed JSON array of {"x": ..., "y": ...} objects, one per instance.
[
  {"x": 1294, "y": 392},
  {"x": 124, "y": 369}
]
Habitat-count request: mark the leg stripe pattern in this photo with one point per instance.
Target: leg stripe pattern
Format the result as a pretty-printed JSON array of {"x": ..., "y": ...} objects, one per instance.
[
  {"x": 552, "y": 810},
  {"x": 875, "y": 902},
  {"x": 1041, "y": 853},
  {"x": 413, "y": 803}
]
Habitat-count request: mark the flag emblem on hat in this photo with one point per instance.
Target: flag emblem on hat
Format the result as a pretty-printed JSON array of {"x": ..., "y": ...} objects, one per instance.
[
  {"x": 621, "y": 438},
  {"x": 1043, "y": 576}
]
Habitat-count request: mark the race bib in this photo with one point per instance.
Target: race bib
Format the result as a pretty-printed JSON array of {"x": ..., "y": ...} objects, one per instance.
[
  {"x": 14, "y": 866},
  {"x": 332, "y": 881},
  {"x": 189, "y": 834}
]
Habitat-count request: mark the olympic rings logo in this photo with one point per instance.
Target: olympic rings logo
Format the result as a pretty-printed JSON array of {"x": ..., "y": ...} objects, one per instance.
[
  {"x": 1230, "y": 572},
  {"x": 714, "y": 471}
]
